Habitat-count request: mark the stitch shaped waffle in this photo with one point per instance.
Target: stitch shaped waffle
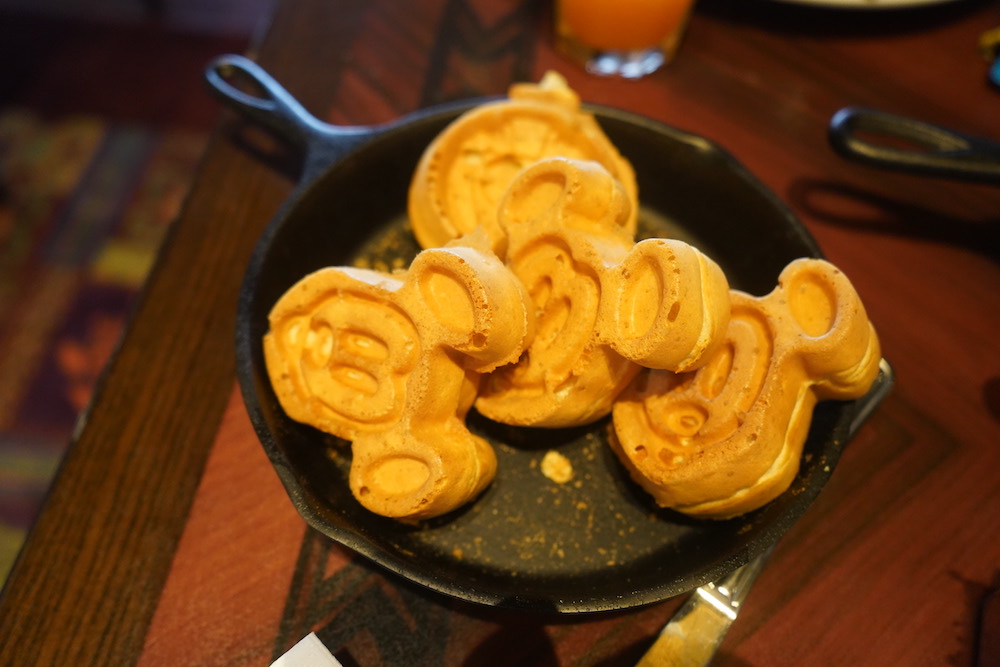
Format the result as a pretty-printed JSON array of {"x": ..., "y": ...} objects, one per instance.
[
  {"x": 727, "y": 438},
  {"x": 465, "y": 171},
  {"x": 393, "y": 362},
  {"x": 603, "y": 304}
]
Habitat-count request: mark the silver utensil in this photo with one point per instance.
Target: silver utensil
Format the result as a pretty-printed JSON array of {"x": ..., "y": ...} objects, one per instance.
[{"x": 697, "y": 629}]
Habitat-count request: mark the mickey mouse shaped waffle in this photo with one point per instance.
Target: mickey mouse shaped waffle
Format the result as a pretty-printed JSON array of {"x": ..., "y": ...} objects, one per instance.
[
  {"x": 392, "y": 363},
  {"x": 727, "y": 438},
  {"x": 604, "y": 305},
  {"x": 464, "y": 173}
]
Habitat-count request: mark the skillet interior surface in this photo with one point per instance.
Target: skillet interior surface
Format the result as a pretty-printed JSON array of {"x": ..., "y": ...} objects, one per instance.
[{"x": 597, "y": 543}]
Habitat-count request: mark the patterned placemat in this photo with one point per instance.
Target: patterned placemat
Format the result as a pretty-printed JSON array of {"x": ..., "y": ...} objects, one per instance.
[{"x": 84, "y": 205}]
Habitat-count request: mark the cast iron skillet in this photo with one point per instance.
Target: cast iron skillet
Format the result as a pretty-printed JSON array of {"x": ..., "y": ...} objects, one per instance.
[
  {"x": 527, "y": 543},
  {"x": 889, "y": 141}
]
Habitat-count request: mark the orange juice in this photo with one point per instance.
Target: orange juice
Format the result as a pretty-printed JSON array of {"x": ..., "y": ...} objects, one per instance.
[
  {"x": 623, "y": 25},
  {"x": 626, "y": 29}
]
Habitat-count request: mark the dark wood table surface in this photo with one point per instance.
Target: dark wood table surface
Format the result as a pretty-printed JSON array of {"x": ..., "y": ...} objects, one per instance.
[{"x": 894, "y": 564}]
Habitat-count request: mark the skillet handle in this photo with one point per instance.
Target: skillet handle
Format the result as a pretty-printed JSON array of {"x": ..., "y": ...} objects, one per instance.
[
  {"x": 938, "y": 151},
  {"x": 276, "y": 109}
]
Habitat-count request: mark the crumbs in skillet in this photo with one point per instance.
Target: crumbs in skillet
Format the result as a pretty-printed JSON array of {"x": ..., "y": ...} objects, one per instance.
[{"x": 392, "y": 249}]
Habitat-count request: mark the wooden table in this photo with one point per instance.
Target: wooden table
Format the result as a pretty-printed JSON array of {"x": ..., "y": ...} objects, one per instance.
[{"x": 168, "y": 540}]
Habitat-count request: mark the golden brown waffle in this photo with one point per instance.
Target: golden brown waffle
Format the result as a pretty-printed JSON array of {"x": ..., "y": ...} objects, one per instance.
[
  {"x": 728, "y": 438},
  {"x": 392, "y": 363},
  {"x": 465, "y": 171},
  {"x": 604, "y": 304}
]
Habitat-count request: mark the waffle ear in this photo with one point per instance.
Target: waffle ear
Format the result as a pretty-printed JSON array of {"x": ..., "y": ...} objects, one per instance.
[
  {"x": 838, "y": 342},
  {"x": 568, "y": 194},
  {"x": 476, "y": 307},
  {"x": 668, "y": 307}
]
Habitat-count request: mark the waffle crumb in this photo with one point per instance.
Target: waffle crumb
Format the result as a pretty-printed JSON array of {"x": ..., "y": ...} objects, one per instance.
[{"x": 557, "y": 467}]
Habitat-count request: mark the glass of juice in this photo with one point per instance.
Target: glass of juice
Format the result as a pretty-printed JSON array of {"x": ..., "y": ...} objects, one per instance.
[{"x": 627, "y": 38}]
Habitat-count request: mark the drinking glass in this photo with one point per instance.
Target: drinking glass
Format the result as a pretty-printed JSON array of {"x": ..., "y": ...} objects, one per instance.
[{"x": 627, "y": 38}]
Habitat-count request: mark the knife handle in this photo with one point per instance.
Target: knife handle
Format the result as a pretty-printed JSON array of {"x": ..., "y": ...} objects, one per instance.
[
  {"x": 690, "y": 639},
  {"x": 696, "y": 631}
]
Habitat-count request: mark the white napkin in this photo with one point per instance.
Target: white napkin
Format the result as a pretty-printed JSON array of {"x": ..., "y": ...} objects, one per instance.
[{"x": 309, "y": 652}]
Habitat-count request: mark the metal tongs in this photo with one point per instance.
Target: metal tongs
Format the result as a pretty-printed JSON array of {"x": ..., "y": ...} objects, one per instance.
[{"x": 697, "y": 629}]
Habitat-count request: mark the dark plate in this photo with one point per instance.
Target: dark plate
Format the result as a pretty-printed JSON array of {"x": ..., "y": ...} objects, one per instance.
[{"x": 597, "y": 543}]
